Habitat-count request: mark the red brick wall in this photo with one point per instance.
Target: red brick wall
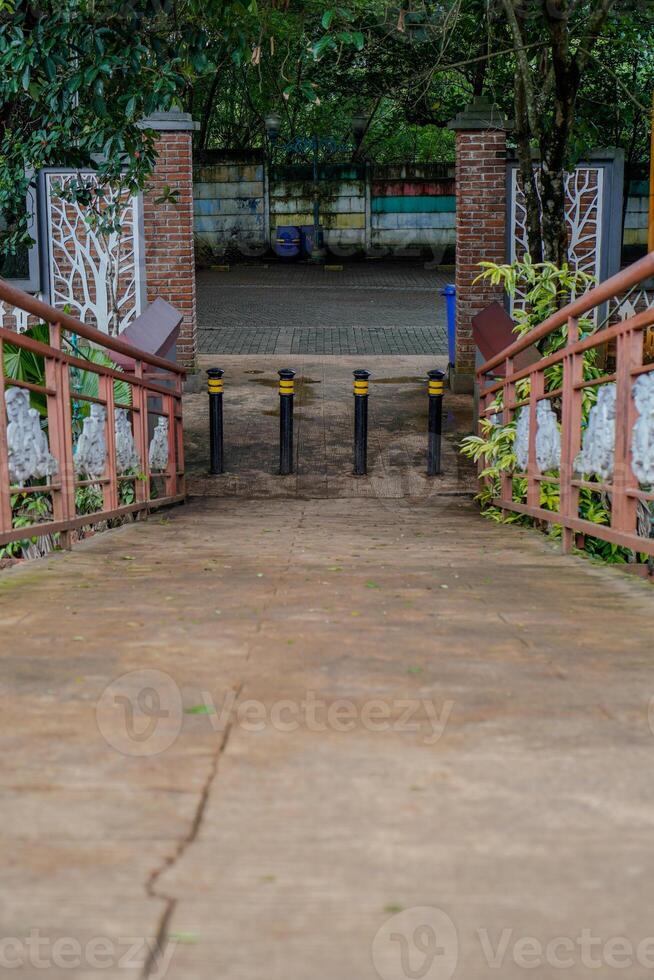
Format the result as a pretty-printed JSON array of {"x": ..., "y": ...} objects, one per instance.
[
  {"x": 168, "y": 232},
  {"x": 480, "y": 229}
]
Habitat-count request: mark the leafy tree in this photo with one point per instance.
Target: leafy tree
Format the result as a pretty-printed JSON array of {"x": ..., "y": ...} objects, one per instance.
[
  {"x": 554, "y": 45},
  {"x": 78, "y": 76}
]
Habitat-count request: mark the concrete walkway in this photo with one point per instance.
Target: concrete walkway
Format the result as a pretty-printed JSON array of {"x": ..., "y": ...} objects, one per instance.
[
  {"x": 331, "y": 739},
  {"x": 323, "y": 429}
]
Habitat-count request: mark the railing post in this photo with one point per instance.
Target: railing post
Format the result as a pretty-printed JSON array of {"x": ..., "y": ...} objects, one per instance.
[
  {"x": 624, "y": 508},
  {"x": 508, "y": 398},
  {"x": 170, "y": 473},
  {"x": 571, "y": 414},
  {"x": 215, "y": 387},
  {"x": 180, "y": 477},
  {"x": 140, "y": 426},
  {"x": 536, "y": 392},
  {"x": 361, "y": 422},
  {"x": 110, "y": 489},
  {"x": 60, "y": 433},
  {"x": 5, "y": 495},
  {"x": 286, "y": 399},
  {"x": 436, "y": 388}
]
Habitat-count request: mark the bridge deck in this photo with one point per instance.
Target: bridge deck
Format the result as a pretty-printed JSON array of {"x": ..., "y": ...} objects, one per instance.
[{"x": 411, "y": 707}]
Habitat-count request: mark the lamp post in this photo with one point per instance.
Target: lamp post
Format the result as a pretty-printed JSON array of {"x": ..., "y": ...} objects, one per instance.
[
  {"x": 272, "y": 122},
  {"x": 359, "y": 126},
  {"x": 313, "y": 145}
]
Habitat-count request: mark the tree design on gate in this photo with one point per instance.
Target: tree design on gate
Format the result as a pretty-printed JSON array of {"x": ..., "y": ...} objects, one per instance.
[
  {"x": 584, "y": 187},
  {"x": 95, "y": 274},
  {"x": 14, "y": 318}
]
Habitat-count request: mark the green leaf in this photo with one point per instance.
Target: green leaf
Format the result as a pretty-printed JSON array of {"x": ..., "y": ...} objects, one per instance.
[{"x": 323, "y": 45}]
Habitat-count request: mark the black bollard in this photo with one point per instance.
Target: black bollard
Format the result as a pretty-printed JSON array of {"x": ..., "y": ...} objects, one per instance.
[
  {"x": 215, "y": 385},
  {"x": 361, "y": 422},
  {"x": 286, "y": 397},
  {"x": 436, "y": 389}
]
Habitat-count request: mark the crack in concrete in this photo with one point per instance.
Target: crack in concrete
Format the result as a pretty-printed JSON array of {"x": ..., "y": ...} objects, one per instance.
[{"x": 170, "y": 902}]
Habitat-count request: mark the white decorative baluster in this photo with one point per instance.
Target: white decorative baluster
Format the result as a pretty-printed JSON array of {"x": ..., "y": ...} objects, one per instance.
[
  {"x": 548, "y": 437},
  {"x": 598, "y": 445},
  {"x": 642, "y": 437},
  {"x": 126, "y": 456},
  {"x": 521, "y": 443},
  {"x": 27, "y": 444},
  {"x": 91, "y": 450},
  {"x": 158, "y": 455}
]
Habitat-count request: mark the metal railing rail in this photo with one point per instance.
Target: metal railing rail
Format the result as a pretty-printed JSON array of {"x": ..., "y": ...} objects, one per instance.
[
  {"x": 623, "y": 488},
  {"x": 155, "y": 387}
]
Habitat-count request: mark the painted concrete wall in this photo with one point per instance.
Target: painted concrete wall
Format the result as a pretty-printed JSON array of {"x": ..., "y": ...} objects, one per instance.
[
  {"x": 229, "y": 207},
  {"x": 342, "y": 208},
  {"x": 412, "y": 206},
  {"x": 237, "y": 206},
  {"x": 635, "y": 223}
]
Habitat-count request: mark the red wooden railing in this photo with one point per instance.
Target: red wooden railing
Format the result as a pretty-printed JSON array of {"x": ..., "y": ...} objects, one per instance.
[
  {"x": 624, "y": 491},
  {"x": 155, "y": 386}
]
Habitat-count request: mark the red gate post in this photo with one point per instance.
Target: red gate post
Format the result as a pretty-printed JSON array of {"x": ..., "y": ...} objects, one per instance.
[{"x": 480, "y": 221}]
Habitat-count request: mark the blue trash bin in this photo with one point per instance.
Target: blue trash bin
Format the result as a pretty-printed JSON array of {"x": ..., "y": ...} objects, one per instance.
[
  {"x": 287, "y": 241},
  {"x": 449, "y": 292}
]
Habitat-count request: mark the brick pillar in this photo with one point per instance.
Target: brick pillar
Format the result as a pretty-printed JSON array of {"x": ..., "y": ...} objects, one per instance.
[
  {"x": 480, "y": 220},
  {"x": 168, "y": 227}
]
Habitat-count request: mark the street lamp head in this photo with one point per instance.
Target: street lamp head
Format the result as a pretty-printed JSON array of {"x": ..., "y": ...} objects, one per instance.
[
  {"x": 359, "y": 123},
  {"x": 272, "y": 122}
]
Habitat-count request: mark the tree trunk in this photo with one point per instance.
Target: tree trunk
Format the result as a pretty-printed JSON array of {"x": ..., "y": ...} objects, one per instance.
[
  {"x": 527, "y": 173},
  {"x": 555, "y": 230},
  {"x": 208, "y": 110}
]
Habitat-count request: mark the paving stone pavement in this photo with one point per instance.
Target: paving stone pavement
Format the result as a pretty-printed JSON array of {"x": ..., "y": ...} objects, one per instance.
[
  {"x": 348, "y": 738},
  {"x": 385, "y": 308}
]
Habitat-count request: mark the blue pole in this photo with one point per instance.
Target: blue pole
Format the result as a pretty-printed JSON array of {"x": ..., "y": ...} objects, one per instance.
[{"x": 449, "y": 292}]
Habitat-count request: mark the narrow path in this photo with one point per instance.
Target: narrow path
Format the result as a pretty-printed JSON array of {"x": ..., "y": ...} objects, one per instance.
[
  {"x": 425, "y": 712},
  {"x": 324, "y": 424}
]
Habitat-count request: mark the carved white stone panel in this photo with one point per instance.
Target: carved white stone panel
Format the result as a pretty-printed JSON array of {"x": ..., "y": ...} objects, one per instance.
[
  {"x": 158, "y": 455},
  {"x": 521, "y": 443},
  {"x": 598, "y": 444},
  {"x": 27, "y": 444},
  {"x": 91, "y": 450},
  {"x": 127, "y": 457},
  {"x": 642, "y": 437},
  {"x": 548, "y": 437}
]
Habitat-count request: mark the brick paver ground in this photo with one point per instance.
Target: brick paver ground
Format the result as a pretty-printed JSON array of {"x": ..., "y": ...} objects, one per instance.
[{"x": 368, "y": 308}]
